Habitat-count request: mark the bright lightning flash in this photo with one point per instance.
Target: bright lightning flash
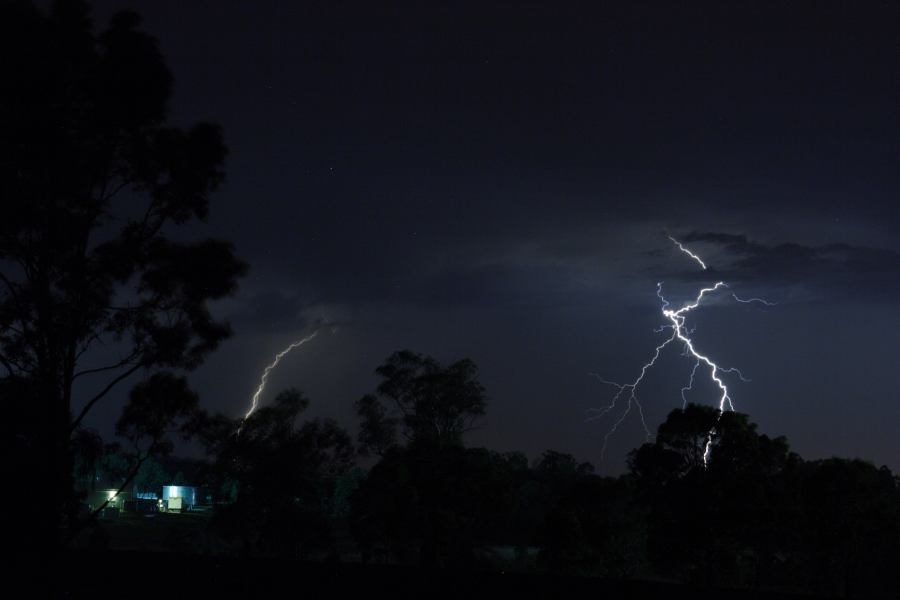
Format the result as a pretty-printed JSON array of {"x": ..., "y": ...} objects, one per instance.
[
  {"x": 676, "y": 322},
  {"x": 265, "y": 374},
  {"x": 688, "y": 252}
]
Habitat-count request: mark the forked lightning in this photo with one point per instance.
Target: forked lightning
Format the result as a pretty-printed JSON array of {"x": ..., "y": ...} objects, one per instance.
[{"x": 676, "y": 322}]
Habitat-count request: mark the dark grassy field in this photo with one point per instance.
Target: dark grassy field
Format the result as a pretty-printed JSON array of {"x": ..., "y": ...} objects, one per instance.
[
  {"x": 158, "y": 532},
  {"x": 173, "y": 556},
  {"x": 86, "y": 574}
]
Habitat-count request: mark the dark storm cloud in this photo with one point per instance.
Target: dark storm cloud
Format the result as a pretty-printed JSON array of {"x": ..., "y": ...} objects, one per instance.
[
  {"x": 277, "y": 311},
  {"x": 269, "y": 311},
  {"x": 828, "y": 271}
]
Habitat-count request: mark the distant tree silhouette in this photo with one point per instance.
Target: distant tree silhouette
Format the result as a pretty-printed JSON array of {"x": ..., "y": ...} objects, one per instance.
[
  {"x": 724, "y": 522},
  {"x": 283, "y": 477},
  {"x": 87, "y": 451},
  {"x": 157, "y": 409},
  {"x": 429, "y": 402},
  {"x": 151, "y": 476},
  {"x": 429, "y": 499},
  {"x": 595, "y": 528},
  {"x": 850, "y": 523},
  {"x": 436, "y": 505},
  {"x": 561, "y": 469},
  {"x": 378, "y": 429},
  {"x": 94, "y": 184}
]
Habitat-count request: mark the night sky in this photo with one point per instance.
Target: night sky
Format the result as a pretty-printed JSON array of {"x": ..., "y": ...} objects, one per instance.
[{"x": 499, "y": 183}]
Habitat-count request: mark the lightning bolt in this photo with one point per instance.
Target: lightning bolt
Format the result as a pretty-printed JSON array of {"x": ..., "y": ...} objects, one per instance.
[
  {"x": 690, "y": 385},
  {"x": 676, "y": 319},
  {"x": 749, "y": 300},
  {"x": 265, "y": 374},
  {"x": 688, "y": 252}
]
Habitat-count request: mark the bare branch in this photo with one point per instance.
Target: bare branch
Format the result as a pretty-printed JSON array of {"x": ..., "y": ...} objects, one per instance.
[
  {"x": 8, "y": 363},
  {"x": 15, "y": 330},
  {"x": 94, "y": 337},
  {"x": 125, "y": 361},
  {"x": 11, "y": 287},
  {"x": 103, "y": 392},
  {"x": 107, "y": 197},
  {"x": 14, "y": 293}
]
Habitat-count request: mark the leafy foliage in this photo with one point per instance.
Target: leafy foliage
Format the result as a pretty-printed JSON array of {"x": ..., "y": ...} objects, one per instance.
[
  {"x": 283, "y": 477},
  {"x": 760, "y": 515},
  {"x": 94, "y": 185},
  {"x": 157, "y": 408},
  {"x": 431, "y": 403}
]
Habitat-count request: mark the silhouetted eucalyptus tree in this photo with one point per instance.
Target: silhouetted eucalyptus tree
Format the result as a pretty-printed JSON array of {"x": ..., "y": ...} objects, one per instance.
[
  {"x": 719, "y": 522},
  {"x": 93, "y": 184},
  {"x": 429, "y": 499},
  {"x": 283, "y": 476},
  {"x": 433, "y": 404},
  {"x": 850, "y": 523}
]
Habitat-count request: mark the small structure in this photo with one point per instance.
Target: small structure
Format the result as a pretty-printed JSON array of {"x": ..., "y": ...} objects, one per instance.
[
  {"x": 114, "y": 502},
  {"x": 113, "y": 499},
  {"x": 177, "y": 498}
]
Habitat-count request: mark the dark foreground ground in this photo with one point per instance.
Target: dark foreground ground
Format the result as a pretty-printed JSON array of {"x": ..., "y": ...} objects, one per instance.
[{"x": 117, "y": 574}]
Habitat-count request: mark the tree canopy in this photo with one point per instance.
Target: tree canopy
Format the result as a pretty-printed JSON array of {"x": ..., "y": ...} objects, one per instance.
[
  {"x": 281, "y": 476},
  {"x": 95, "y": 184},
  {"x": 429, "y": 402}
]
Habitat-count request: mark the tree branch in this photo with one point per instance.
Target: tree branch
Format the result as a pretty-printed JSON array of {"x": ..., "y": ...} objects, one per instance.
[
  {"x": 103, "y": 392},
  {"x": 108, "y": 197},
  {"x": 118, "y": 365},
  {"x": 11, "y": 288},
  {"x": 14, "y": 294},
  {"x": 94, "y": 337},
  {"x": 9, "y": 363}
]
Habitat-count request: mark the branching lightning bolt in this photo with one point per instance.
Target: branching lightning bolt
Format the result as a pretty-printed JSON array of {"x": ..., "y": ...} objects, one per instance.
[
  {"x": 265, "y": 374},
  {"x": 680, "y": 333},
  {"x": 690, "y": 385},
  {"x": 750, "y": 300}
]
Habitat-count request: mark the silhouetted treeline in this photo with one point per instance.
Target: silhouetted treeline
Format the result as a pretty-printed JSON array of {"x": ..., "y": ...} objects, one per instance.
[
  {"x": 751, "y": 514},
  {"x": 733, "y": 507}
]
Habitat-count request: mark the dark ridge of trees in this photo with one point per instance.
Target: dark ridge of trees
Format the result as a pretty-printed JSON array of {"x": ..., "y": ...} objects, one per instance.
[
  {"x": 756, "y": 517},
  {"x": 280, "y": 479},
  {"x": 420, "y": 401},
  {"x": 724, "y": 521},
  {"x": 429, "y": 498},
  {"x": 96, "y": 189}
]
